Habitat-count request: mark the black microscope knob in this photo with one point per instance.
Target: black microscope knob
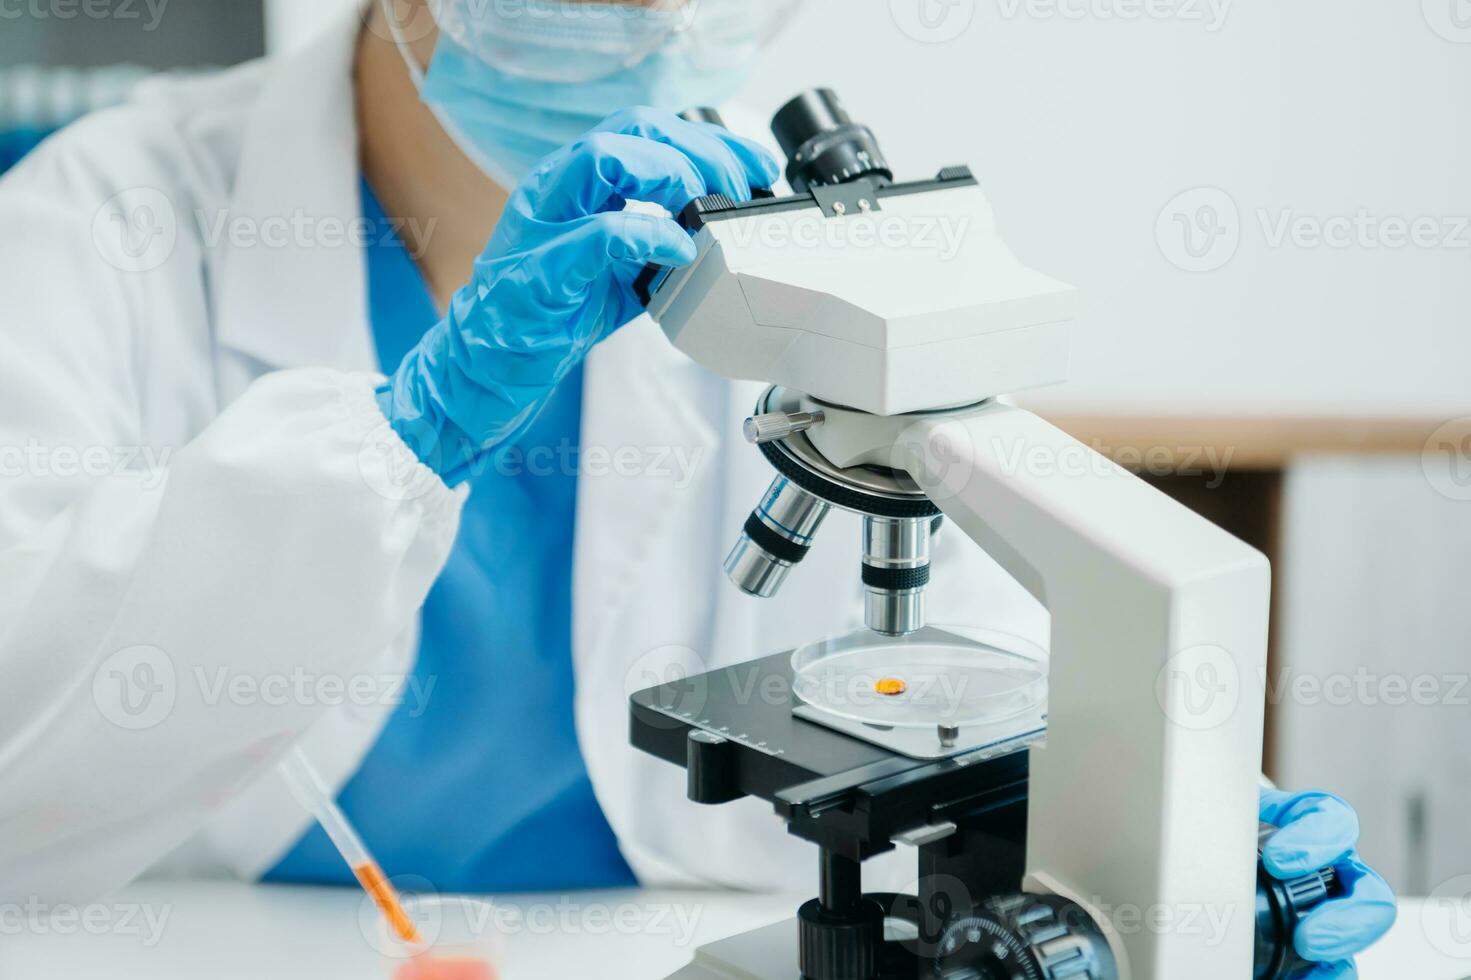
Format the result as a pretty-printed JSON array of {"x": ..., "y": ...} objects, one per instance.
[
  {"x": 712, "y": 768},
  {"x": 1042, "y": 937},
  {"x": 1025, "y": 937},
  {"x": 1280, "y": 908},
  {"x": 845, "y": 945}
]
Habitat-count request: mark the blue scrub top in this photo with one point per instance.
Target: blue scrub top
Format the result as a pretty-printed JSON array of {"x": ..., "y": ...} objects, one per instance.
[{"x": 485, "y": 790}]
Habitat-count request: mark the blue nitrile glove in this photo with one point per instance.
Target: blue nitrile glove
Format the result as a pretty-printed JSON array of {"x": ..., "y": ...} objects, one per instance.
[
  {"x": 557, "y": 277},
  {"x": 1321, "y": 831}
]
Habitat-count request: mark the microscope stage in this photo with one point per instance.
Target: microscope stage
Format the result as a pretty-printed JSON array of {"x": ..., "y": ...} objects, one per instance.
[{"x": 742, "y": 731}]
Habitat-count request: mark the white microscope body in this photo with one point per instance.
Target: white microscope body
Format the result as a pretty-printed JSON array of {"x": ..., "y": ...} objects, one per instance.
[{"x": 1143, "y": 799}]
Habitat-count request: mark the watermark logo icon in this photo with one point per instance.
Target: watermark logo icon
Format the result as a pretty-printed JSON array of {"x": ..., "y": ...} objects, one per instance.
[
  {"x": 933, "y": 21},
  {"x": 136, "y": 230},
  {"x": 1199, "y": 688},
  {"x": 680, "y": 674},
  {"x": 1445, "y": 918},
  {"x": 419, "y": 900},
  {"x": 1446, "y": 459},
  {"x": 1451, "y": 19},
  {"x": 412, "y": 22},
  {"x": 940, "y": 455},
  {"x": 1199, "y": 230},
  {"x": 391, "y": 469},
  {"x": 135, "y": 688}
]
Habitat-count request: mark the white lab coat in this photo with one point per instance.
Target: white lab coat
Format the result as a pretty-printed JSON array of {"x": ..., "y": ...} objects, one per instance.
[{"x": 268, "y": 545}]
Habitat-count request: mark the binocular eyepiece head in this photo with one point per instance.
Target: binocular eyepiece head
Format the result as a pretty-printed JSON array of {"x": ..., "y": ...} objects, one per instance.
[{"x": 823, "y": 145}]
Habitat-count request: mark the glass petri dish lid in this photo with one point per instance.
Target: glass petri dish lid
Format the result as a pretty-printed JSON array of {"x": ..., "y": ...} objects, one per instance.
[{"x": 940, "y": 675}]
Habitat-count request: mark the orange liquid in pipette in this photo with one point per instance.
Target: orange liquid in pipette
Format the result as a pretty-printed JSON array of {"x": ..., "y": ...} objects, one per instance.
[{"x": 376, "y": 884}]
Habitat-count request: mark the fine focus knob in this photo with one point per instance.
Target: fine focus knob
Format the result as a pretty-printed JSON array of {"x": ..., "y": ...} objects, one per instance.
[{"x": 778, "y": 425}]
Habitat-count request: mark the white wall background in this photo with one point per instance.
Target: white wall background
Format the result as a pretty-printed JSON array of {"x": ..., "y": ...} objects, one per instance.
[{"x": 1084, "y": 125}]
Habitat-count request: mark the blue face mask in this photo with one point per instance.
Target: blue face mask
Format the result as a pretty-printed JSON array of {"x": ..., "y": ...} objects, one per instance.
[{"x": 505, "y": 80}]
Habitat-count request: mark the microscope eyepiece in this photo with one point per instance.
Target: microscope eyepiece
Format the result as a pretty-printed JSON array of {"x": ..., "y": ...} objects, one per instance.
[{"x": 824, "y": 145}]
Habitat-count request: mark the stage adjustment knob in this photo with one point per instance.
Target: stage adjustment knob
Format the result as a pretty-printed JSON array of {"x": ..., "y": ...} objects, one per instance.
[{"x": 711, "y": 767}]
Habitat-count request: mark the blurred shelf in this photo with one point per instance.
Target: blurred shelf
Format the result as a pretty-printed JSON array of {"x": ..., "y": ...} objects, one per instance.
[{"x": 1164, "y": 443}]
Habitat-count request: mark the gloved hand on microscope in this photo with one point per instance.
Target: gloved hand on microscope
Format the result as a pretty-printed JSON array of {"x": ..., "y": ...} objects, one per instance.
[{"x": 1321, "y": 831}]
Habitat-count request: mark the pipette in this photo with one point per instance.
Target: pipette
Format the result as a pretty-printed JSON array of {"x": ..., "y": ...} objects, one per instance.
[{"x": 309, "y": 789}]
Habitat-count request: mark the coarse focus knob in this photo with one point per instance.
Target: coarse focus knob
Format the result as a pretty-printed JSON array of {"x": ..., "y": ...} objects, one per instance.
[
  {"x": 779, "y": 425},
  {"x": 839, "y": 945},
  {"x": 1025, "y": 937}
]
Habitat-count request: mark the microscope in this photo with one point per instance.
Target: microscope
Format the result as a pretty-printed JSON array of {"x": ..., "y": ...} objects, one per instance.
[{"x": 1079, "y": 813}]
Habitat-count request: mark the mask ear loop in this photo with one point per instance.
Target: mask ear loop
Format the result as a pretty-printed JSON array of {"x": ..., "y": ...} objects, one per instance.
[
  {"x": 416, "y": 70},
  {"x": 497, "y": 173}
]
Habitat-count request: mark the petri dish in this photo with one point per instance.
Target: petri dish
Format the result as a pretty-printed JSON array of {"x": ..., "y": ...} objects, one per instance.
[
  {"x": 940, "y": 675},
  {"x": 460, "y": 941}
]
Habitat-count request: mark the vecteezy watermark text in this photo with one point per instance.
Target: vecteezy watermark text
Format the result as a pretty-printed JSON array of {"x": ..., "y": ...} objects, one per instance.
[
  {"x": 35, "y": 459},
  {"x": 677, "y": 922},
  {"x": 1209, "y": 14},
  {"x": 33, "y": 917},
  {"x": 391, "y": 469},
  {"x": 138, "y": 230},
  {"x": 1100, "y": 459},
  {"x": 862, "y": 231},
  {"x": 149, "y": 12},
  {"x": 565, "y": 917},
  {"x": 137, "y": 688},
  {"x": 1202, "y": 686},
  {"x": 1202, "y": 229},
  {"x": 300, "y": 686},
  {"x": 300, "y": 229}
]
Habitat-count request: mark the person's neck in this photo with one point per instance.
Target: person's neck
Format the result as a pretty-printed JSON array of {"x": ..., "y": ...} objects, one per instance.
[{"x": 446, "y": 207}]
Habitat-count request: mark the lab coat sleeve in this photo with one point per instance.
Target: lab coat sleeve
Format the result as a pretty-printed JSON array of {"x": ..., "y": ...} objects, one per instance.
[{"x": 168, "y": 627}]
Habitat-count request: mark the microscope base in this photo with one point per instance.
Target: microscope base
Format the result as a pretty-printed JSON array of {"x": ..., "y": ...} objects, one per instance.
[{"x": 769, "y": 953}]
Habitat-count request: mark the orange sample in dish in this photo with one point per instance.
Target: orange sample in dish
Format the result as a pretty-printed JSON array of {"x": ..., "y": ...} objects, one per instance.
[
  {"x": 447, "y": 968},
  {"x": 890, "y": 687}
]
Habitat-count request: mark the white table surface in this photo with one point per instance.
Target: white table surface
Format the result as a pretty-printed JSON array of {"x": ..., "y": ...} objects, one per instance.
[{"x": 231, "y": 931}]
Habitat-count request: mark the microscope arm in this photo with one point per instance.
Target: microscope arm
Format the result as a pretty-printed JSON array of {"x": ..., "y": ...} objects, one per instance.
[{"x": 1143, "y": 800}]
